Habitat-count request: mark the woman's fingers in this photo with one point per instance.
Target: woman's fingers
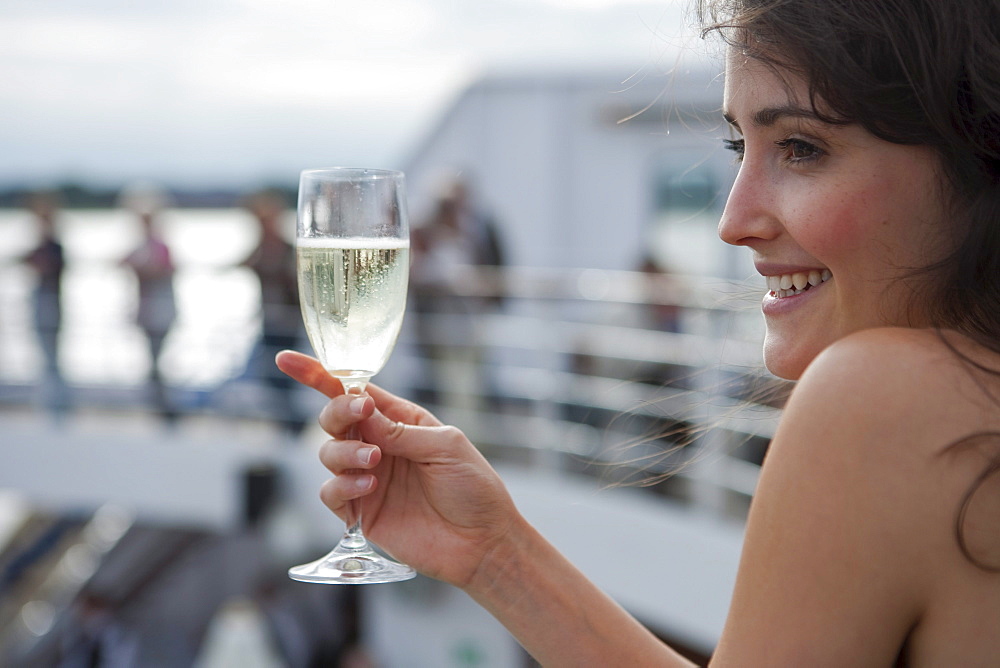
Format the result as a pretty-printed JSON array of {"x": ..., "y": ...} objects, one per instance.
[
  {"x": 419, "y": 443},
  {"x": 400, "y": 409},
  {"x": 349, "y": 461},
  {"x": 341, "y": 457},
  {"x": 308, "y": 371},
  {"x": 343, "y": 412},
  {"x": 336, "y": 492}
]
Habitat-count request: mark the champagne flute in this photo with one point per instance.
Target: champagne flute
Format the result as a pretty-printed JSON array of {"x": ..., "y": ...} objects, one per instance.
[{"x": 352, "y": 250}]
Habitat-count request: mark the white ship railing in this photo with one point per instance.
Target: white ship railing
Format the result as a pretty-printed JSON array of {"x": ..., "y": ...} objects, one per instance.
[{"x": 565, "y": 386}]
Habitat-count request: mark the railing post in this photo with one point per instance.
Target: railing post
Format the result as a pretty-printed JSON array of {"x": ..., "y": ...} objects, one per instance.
[{"x": 708, "y": 490}]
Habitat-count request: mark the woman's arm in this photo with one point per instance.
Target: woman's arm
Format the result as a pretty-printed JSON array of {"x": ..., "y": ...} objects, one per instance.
[
  {"x": 432, "y": 501},
  {"x": 556, "y": 613}
]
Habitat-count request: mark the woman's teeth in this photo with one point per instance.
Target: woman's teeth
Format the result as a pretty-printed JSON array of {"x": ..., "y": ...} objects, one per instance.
[{"x": 787, "y": 285}]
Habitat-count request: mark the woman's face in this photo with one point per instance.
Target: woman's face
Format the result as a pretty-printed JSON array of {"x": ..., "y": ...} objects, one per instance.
[{"x": 836, "y": 218}]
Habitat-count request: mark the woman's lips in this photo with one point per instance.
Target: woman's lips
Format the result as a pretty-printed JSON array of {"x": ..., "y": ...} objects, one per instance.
[{"x": 780, "y": 300}]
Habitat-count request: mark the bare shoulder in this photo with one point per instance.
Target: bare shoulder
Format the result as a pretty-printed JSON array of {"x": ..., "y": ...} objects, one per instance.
[
  {"x": 885, "y": 407},
  {"x": 887, "y": 355},
  {"x": 904, "y": 423},
  {"x": 853, "y": 521},
  {"x": 877, "y": 406},
  {"x": 915, "y": 390}
]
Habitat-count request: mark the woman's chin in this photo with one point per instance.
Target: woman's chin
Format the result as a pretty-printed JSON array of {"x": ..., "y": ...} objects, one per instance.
[{"x": 787, "y": 362}]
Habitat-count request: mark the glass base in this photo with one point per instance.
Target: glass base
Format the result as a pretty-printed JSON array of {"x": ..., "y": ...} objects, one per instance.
[{"x": 352, "y": 566}]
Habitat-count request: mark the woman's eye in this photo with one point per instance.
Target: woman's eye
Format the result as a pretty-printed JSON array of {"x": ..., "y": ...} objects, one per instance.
[
  {"x": 737, "y": 146},
  {"x": 798, "y": 150},
  {"x": 793, "y": 150}
]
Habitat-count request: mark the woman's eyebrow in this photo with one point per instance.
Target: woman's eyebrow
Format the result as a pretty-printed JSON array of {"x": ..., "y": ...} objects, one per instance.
[{"x": 770, "y": 115}]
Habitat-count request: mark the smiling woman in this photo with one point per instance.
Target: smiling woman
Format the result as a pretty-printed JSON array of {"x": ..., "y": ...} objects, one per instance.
[
  {"x": 881, "y": 77},
  {"x": 831, "y": 201},
  {"x": 868, "y": 133}
]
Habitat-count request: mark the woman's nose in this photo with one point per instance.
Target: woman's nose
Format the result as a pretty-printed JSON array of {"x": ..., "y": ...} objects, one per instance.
[{"x": 750, "y": 212}]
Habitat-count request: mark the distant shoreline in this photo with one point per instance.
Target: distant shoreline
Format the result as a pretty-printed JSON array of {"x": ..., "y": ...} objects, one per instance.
[{"x": 75, "y": 196}]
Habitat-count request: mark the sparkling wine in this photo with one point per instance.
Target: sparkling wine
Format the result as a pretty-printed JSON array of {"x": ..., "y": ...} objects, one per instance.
[{"x": 353, "y": 295}]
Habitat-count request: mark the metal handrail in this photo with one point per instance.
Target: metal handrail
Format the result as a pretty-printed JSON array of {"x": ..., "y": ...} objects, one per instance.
[{"x": 557, "y": 346}]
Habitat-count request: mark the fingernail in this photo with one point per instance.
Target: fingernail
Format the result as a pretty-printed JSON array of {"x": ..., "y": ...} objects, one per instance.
[
  {"x": 365, "y": 455},
  {"x": 363, "y": 482},
  {"x": 358, "y": 405}
]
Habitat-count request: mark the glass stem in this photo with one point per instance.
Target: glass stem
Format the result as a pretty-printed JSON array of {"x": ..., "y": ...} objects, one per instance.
[{"x": 354, "y": 538}]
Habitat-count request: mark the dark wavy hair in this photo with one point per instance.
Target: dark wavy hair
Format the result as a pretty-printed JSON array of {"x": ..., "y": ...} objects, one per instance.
[
  {"x": 917, "y": 72},
  {"x": 923, "y": 72}
]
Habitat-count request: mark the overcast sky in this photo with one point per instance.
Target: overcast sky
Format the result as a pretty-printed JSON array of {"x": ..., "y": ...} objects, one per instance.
[{"x": 235, "y": 91}]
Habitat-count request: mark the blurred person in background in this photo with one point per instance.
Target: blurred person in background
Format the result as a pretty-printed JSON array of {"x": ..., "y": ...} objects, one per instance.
[
  {"x": 273, "y": 261},
  {"x": 450, "y": 250},
  {"x": 655, "y": 308},
  {"x": 95, "y": 637},
  {"x": 48, "y": 261},
  {"x": 156, "y": 310},
  {"x": 662, "y": 312}
]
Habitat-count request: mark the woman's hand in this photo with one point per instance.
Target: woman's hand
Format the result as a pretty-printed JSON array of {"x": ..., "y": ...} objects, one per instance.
[{"x": 430, "y": 498}]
